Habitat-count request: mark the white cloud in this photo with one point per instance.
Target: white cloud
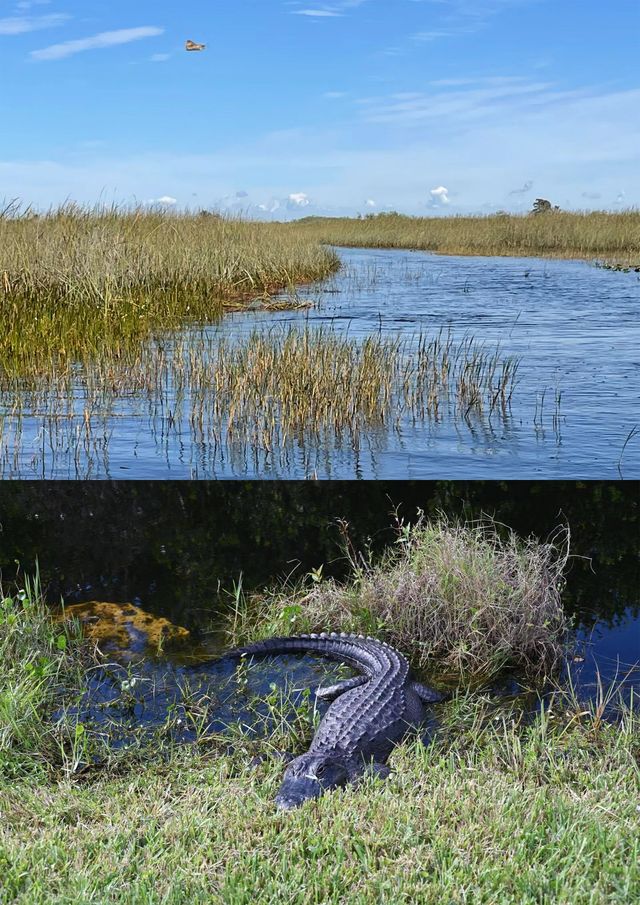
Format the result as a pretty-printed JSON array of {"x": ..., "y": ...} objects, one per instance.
[
  {"x": 96, "y": 42},
  {"x": 164, "y": 200},
  {"x": 20, "y": 25},
  {"x": 159, "y": 57},
  {"x": 298, "y": 199},
  {"x": 370, "y": 202},
  {"x": 270, "y": 208},
  {"x": 439, "y": 195}
]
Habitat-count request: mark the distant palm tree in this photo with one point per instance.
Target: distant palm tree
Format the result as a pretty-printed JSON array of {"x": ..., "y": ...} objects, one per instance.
[{"x": 191, "y": 45}]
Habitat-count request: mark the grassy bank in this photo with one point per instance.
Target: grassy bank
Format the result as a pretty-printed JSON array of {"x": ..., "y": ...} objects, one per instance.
[
  {"x": 500, "y": 806},
  {"x": 493, "y": 811},
  {"x": 39, "y": 662},
  {"x": 611, "y": 237},
  {"x": 78, "y": 281}
]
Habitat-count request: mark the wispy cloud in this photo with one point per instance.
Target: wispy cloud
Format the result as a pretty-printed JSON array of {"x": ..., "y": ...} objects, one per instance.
[
  {"x": 329, "y": 10},
  {"x": 96, "y": 42},
  {"x": 319, "y": 13},
  {"x": 20, "y": 25},
  {"x": 456, "y": 18},
  {"x": 462, "y": 102}
]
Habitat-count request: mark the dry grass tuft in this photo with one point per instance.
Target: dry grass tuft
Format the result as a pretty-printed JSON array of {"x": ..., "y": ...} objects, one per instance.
[{"x": 461, "y": 600}]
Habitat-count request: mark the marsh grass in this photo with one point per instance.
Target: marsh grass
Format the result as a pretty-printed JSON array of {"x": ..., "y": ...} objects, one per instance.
[
  {"x": 264, "y": 393},
  {"x": 463, "y": 601},
  {"x": 602, "y": 235},
  {"x": 77, "y": 281}
]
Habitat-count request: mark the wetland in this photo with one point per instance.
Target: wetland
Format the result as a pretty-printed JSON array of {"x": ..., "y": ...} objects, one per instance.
[{"x": 145, "y": 346}]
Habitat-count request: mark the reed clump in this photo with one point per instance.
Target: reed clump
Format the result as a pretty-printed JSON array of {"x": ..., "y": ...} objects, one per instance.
[
  {"x": 77, "y": 280},
  {"x": 265, "y": 393},
  {"x": 464, "y": 601},
  {"x": 598, "y": 235}
]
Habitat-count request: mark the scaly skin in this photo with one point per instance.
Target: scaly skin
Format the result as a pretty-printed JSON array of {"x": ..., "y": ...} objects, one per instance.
[{"x": 368, "y": 715}]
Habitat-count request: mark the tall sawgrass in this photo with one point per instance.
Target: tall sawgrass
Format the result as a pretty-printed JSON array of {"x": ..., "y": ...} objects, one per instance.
[
  {"x": 78, "y": 280},
  {"x": 596, "y": 235}
]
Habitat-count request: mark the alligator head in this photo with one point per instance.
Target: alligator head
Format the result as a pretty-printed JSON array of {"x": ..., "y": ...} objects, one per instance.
[{"x": 310, "y": 776}]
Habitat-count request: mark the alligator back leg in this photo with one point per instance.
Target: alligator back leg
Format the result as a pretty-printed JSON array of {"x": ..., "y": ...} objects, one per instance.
[
  {"x": 331, "y": 692},
  {"x": 427, "y": 695}
]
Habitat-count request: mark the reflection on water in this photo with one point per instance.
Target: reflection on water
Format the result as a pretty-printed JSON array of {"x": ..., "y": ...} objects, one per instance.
[{"x": 572, "y": 328}]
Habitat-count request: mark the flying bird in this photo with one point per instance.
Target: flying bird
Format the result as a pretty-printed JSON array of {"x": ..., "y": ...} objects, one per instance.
[{"x": 192, "y": 45}]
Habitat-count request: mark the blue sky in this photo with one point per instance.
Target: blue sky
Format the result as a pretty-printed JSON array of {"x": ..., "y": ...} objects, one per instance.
[{"x": 342, "y": 106}]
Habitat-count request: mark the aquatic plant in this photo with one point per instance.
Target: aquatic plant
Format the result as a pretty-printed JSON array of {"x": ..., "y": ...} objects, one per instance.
[{"x": 262, "y": 394}]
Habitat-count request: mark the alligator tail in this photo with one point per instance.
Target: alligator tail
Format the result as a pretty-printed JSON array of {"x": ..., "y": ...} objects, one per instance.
[{"x": 333, "y": 645}]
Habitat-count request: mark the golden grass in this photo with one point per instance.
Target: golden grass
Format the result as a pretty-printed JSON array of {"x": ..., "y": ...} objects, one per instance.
[
  {"x": 78, "y": 280},
  {"x": 598, "y": 235}
]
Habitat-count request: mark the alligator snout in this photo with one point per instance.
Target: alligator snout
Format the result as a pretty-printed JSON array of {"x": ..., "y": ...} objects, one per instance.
[{"x": 295, "y": 792}]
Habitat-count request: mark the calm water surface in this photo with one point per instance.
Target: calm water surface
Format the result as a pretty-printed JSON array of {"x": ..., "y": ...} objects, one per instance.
[{"x": 573, "y": 327}]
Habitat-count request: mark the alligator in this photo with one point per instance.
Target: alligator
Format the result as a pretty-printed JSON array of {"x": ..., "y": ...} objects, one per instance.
[{"x": 369, "y": 714}]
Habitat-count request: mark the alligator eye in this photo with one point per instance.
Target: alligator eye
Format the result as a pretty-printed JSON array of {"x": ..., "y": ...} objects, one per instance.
[{"x": 320, "y": 770}]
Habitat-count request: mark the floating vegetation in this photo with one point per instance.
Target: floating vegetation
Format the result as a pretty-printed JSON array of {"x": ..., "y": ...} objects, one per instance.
[
  {"x": 261, "y": 395},
  {"x": 123, "y": 627}
]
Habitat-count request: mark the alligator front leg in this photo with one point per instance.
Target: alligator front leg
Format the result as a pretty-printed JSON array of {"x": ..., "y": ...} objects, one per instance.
[
  {"x": 331, "y": 692},
  {"x": 427, "y": 695},
  {"x": 373, "y": 769},
  {"x": 380, "y": 771}
]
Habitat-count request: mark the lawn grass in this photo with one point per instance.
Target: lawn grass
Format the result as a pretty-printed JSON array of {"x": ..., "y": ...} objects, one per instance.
[
  {"x": 599, "y": 235},
  {"x": 503, "y": 814}
]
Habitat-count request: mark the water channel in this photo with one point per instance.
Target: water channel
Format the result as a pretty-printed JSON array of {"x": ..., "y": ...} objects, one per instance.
[{"x": 572, "y": 327}]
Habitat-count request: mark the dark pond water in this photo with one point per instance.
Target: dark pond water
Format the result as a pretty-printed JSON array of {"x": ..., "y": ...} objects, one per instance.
[
  {"x": 573, "y": 327},
  {"x": 168, "y": 551}
]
